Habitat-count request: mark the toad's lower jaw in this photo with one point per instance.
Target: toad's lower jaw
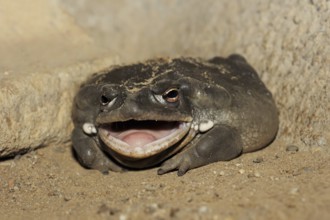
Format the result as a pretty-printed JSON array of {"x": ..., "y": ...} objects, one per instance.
[{"x": 144, "y": 138}]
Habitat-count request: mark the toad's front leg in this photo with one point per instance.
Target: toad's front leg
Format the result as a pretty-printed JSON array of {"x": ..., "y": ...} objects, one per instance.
[
  {"x": 89, "y": 154},
  {"x": 221, "y": 143}
]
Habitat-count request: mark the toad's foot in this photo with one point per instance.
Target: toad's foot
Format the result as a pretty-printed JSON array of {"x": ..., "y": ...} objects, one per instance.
[
  {"x": 90, "y": 155},
  {"x": 219, "y": 144}
]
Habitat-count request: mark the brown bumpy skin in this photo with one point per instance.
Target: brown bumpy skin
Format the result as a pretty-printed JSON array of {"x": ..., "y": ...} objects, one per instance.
[{"x": 228, "y": 109}]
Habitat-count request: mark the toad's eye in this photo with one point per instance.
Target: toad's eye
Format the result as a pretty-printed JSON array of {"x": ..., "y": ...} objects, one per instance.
[
  {"x": 104, "y": 100},
  {"x": 107, "y": 101},
  {"x": 171, "y": 95}
]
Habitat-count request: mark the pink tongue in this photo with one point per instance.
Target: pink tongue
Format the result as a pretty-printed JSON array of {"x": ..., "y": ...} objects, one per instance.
[{"x": 138, "y": 139}]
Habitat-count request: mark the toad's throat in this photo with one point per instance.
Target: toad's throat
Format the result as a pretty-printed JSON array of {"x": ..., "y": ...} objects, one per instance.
[{"x": 141, "y": 139}]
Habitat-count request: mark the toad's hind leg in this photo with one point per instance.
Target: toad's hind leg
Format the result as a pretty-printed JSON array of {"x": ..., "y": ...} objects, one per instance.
[
  {"x": 90, "y": 155},
  {"x": 219, "y": 144}
]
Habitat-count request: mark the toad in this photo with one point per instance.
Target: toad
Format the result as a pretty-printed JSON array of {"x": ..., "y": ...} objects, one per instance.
[{"x": 180, "y": 113}]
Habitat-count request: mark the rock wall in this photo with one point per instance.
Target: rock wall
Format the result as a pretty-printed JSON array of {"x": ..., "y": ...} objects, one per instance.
[
  {"x": 47, "y": 48},
  {"x": 44, "y": 57}
]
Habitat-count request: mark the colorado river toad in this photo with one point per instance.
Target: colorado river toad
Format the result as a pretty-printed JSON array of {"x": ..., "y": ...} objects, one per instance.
[{"x": 181, "y": 113}]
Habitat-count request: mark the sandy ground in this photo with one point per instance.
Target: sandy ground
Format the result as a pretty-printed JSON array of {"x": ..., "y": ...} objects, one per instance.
[{"x": 273, "y": 183}]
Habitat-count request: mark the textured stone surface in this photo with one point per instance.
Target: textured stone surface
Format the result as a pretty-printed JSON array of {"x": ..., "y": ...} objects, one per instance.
[
  {"x": 44, "y": 47},
  {"x": 288, "y": 42},
  {"x": 44, "y": 57},
  {"x": 35, "y": 106}
]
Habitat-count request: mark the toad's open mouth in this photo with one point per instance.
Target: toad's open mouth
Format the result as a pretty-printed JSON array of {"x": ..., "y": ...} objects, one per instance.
[{"x": 141, "y": 139}]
